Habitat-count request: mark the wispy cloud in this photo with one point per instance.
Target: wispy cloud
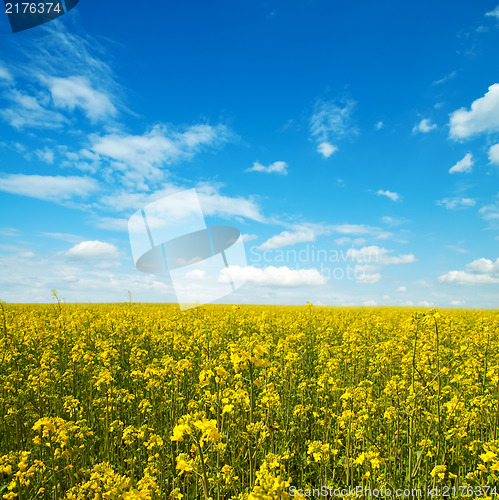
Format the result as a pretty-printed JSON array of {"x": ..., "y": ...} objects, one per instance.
[
  {"x": 30, "y": 111},
  {"x": 63, "y": 71},
  {"x": 482, "y": 117},
  {"x": 5, "y": 74},
  {"x": 456, "y": 203},
  {"x": 463, "y": 166},
  {"x": 389, "y": 194},
  {"x": 378, "y": 256},
  {"x": 493, "y": 13},
  {"x": 446, "y": 78},
  {"x": 490, "y": 212},
  {"x": 138, "y": 159},
  {"x": 393, "y": 221},
  {"x": 278, "y": 167},
  {"x": 50, "y": 188},
  {"x": 45, "y": 154},
  {"x": 300, "y": 234},
  {"x": 330, "y": 121}
]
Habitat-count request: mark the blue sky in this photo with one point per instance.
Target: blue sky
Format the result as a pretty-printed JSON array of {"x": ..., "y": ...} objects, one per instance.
[{"x": 355, "y": 145}]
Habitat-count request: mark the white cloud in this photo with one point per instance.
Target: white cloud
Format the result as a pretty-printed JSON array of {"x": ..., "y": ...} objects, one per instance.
[
  {"x": 45, "y": 154},
  {"x": 389, "y": 194},
  {"x": 402, "y": 289},
  {"x": 77, "y": 92},
  {"x": 141, "y": 157},
  {"x": 248, "y": 237},
  {"x": 379, "y": 256},
  {"x": 457, "y": 248},
  {"x": 456, "y": 203},
  {"x": 465, "y": 278},
  {"x": 4, "y": 74},
  {"x": 482, "y": 117},
  {"x": 212, "y": 202},
  {"x": 361, "y": 230},
  {"x": 51, "y": 188},
  {"x": 303, "y": 233},
  {"x": 465, "y": 165},
  {"x": 451, "y": 75},
  {"x": 478, "y": 272},
  {"x": 366, "y": 275},
  {"x": 379, "y": 125},
  {"x": 93, "y": 250},
  {"x": 278, "y": 167},
  {"x": 215, "y": 204},
  {"x": 493, "y": 13},
  {"x": 197, "y": 275},
  {"x": 489, "y": 212},
  {"x": 30, "y": 111},
  {"x": 326, "y": 149},
  {"x": 494, "y": 154},
  {"x": 273, "y": 276},
  {"x": 300, "y": 234},
  {"x": 342, "y": 241},
  {"x": 393, "y": 221},
  {"x": 331, "y": 120},
  {"x": 457, "y": 303},
  {"x": 424, "y": 126}
]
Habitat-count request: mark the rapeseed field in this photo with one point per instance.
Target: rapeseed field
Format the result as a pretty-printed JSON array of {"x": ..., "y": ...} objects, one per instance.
[{"x": 140, "y": 401}]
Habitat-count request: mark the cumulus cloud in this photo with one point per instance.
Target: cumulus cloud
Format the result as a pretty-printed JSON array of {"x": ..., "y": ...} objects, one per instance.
[
  {"x": 326, "y": 149},
  {"x": 456, "y": 203},
  {"x": 424, "y": 126},
  {"x": 47, "y": 187},
  {"x": 402, "y": 289},
  {"x": 389, "y": 194},
  {"x": 479, "y": 272},
  {"x": 273, "y": 276},
  {"x": 278, "y": 167},
  {"x": 93, "y": 250},
  {"x": 465, "y": 165},
  {"x": 482, "y": 117},
  {"x": 494, "y": 154},
  {"x": 77, "y": 92}
]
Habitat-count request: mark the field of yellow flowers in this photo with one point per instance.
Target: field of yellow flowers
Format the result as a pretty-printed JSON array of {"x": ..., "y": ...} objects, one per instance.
[{"x": 140, "y": 401}]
